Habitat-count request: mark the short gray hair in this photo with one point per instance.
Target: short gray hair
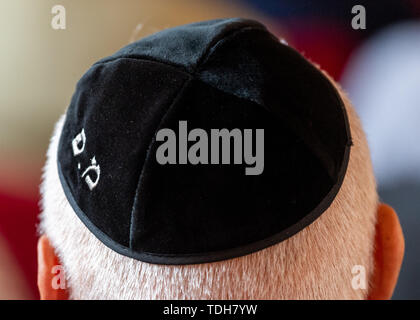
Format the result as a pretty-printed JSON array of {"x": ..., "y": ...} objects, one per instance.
[{"x": 316, "y": 263}]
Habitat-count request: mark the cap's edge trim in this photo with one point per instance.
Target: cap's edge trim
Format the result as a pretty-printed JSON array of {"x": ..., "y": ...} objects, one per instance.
[{"x": 181, "y": 259}]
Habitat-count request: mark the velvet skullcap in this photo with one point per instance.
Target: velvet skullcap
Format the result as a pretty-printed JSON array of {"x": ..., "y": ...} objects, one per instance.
[{"x": 228, "y": 73}]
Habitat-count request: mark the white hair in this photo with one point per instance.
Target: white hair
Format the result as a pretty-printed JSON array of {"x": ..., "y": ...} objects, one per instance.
[{"x": 316, "y": 263}]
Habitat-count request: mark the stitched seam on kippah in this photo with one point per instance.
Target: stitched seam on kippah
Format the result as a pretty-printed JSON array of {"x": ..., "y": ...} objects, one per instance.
[
  {"x": 139, "y": 180},
  {"x": 224, "y": 37},
  {"x": 178, "y": 67}
]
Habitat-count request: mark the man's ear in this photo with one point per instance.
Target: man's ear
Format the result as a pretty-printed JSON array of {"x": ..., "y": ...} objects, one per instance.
[
  {"x": 51, "y": 278},
  {"x": 389, "y": 252}
]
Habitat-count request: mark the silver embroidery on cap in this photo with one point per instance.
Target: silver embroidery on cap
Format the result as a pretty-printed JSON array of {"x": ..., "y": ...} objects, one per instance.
[{"x": 81, "y": 137}]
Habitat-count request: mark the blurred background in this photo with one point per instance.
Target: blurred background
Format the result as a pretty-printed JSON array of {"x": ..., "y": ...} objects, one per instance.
[{"x": 378, "y": 66}]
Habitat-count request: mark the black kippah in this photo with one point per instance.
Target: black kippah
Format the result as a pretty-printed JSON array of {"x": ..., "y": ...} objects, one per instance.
[{"x": 220, "y": 74}]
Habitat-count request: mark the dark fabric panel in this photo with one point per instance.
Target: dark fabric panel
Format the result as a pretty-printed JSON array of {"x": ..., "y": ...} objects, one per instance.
[
  {"x": 200, "y": 208},
  {"x": 119, "y": 105}
]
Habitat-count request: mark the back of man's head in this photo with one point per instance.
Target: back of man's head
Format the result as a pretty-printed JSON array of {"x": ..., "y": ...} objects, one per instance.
[
  {"x": 176, "y": 242},
  {"x": 316, "y": 263}
]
